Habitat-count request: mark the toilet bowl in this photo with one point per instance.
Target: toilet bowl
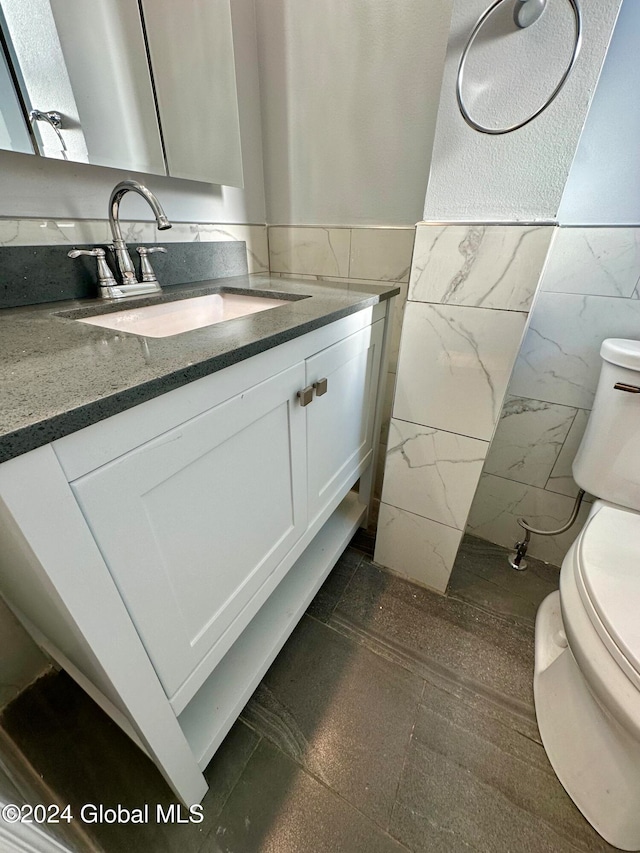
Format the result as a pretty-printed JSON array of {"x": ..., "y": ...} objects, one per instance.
[
  {"x": 587, "y": 676},
  {"x": 587, "y": 653}
]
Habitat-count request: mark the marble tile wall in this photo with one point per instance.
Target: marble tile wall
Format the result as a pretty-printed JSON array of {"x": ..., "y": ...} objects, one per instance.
[
  {"x": 346, "y": 255},
  {"x": 589, "y": 291},
  {"x": 470, "y": 291},
  {"x": 40, "y": 232}
]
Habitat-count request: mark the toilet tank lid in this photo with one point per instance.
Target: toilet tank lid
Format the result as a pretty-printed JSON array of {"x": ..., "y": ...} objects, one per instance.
[
  {"x": 621, "y": 352},
  {"x": 610, "y": 571}
]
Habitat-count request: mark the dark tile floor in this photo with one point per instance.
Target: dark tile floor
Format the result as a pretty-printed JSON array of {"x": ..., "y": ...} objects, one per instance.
[{"x": 394, "y": 719}]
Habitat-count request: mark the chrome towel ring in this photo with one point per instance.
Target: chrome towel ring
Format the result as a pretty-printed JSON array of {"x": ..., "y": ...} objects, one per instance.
[
  {"x": 522, "y": 19},
  {"x": 54, "y": 119}
]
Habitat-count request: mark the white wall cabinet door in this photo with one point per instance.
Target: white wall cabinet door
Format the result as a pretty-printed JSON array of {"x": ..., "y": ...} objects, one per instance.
[
  {"x": 192, "y": 523},
  {"x": 340, "y": 421}
]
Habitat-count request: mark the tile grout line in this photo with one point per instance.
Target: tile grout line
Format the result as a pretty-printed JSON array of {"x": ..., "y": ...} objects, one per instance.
[
  {"x": 346, "y": 587},
  {"x": 268, "y": 250},
  {"x": 436, "y": 669},
  {"x": 337, "y": 794},
  {"x": 406, "y": 752},
  {"x": 307, "y": 771},
  {"x": 516, "y": 621},
  {"x": 573, "y": 420},
  {"x": 201, "y": 849},
  {"x": 450, "y": 432},
  {"x": 525, "y": 312}
]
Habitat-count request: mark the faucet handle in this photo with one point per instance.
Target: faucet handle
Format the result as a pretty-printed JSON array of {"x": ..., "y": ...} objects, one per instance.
[
  {"x": 146, "y": 269},
  {"x": 97, "y": 252},
  {"x": 105, "y": 276}
]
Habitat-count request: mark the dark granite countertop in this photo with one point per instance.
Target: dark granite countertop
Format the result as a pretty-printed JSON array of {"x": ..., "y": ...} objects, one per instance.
[{"x": 58, "y": 376}]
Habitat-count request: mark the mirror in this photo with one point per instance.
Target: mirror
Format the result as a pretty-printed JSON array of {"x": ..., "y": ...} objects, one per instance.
[
  {"x": 144, "y": 85},
  {"x": 14, "y": 135}
]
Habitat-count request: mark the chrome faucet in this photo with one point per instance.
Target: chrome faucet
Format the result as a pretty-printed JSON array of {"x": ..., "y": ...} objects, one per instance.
[{"x": 130, "y": 285}]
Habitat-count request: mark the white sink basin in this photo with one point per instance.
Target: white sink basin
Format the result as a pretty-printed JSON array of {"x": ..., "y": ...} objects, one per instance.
[{"x": 184, "y": 315}]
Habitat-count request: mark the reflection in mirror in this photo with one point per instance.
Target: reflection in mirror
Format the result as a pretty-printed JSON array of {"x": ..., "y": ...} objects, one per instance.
[
  {"x": 14, "y": 135},
  {"x": 87, "y": 62},
  {"x": 97, "y": 79}
]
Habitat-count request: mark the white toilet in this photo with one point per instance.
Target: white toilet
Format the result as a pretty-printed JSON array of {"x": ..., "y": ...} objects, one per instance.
[{"x": 587, "y": 669}]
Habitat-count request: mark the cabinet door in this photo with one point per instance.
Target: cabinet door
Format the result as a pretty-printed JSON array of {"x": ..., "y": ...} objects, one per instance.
[
  {"x": 340, "y": 422},
  {"x": 192, "y": 523}
]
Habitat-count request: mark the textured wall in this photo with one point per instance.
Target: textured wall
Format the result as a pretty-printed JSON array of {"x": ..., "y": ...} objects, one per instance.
[
  {"x": 350, "y": 93},
  {"x": 589, "y": 291},
  {"x": 521, "y": 175}
]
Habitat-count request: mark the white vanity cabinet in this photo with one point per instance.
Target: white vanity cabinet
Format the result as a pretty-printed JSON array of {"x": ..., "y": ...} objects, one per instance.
[
  {"x": 191, "y": 523},
  {"x": 163, "y": 555},
  {"x": 340, "y": 421}
]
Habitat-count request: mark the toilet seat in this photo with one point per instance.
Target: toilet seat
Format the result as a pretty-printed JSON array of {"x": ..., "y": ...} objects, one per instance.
[{"x": 607, "y": 574}]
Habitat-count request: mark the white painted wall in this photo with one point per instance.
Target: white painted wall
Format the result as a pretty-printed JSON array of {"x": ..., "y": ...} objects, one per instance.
[
  {"x": 521, "y": 175},
  {"x": 350, "y": 93},
  {"x": 37, "y": 187},
  {"x": 603, "y": 187}
]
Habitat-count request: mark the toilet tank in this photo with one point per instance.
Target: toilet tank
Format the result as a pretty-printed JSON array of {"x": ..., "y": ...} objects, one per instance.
[{"x": 607, "y": 463}]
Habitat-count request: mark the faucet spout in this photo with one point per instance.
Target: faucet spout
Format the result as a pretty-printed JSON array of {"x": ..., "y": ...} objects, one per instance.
[{"x": 125, "y": 263}]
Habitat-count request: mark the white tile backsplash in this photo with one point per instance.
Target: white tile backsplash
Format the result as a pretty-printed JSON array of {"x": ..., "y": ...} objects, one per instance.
[
  {"x": 383, "y": 254},
  {"x": 561, "y": 479},
  {"x": 560, "y": 357},
  {"x": 387, "y": 406},
  {"x": 255, "y": 237},
  {"x": 143, "y": 232},
  {"x": 40, "y": 232},
  {"x": 316, "y": 251},
  {"x": 528, "y": 440},
  {"x": 432, "y": 473},
  {"x": 396, "y": 329},
  {"x": 470, "y": 289},
  {"x": 594, "y": 261},
  {"x": 486, "y": 266},
  {"x": 587, "y": 294},
  {"x": 454, "y": 366},
  {"x": 43, "y": 232},
  {"x": 421, "y": 549}
]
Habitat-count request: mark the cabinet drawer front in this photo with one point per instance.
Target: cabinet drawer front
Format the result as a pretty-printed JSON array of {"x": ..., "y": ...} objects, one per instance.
[
  {"x": 340, "y": 422},
  {"x": 192, "y": 523}
]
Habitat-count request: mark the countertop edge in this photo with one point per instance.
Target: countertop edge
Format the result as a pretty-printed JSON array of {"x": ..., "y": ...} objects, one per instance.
[{"x": 39, "y": 433}]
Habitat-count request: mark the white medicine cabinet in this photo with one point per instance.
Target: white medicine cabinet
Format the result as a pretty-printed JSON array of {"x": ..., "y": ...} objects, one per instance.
[{"x": 143, "y": 85}]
